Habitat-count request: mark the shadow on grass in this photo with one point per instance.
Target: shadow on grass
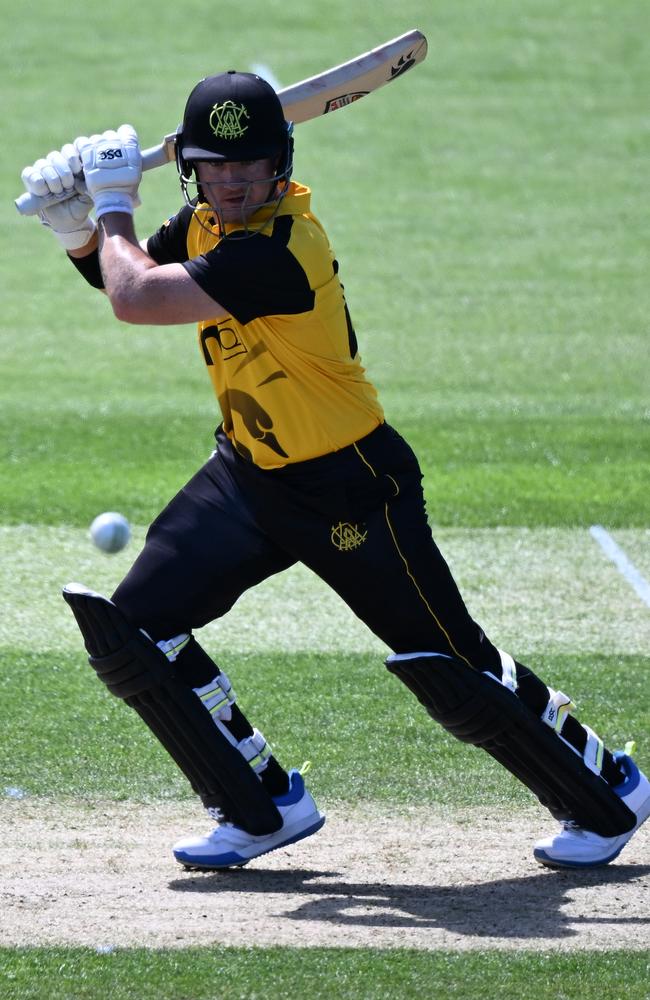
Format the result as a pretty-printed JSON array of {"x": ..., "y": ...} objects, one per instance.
[{"x": 526, "y": 907}]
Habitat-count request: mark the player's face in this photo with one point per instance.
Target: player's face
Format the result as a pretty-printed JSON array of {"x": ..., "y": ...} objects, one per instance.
[{"x": 237, "y": 189}]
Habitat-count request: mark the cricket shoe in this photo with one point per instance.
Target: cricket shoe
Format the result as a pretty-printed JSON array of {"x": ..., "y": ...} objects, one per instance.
[
  {"x": 575, "y": 847},
  {"x": 228, "y": 846}
]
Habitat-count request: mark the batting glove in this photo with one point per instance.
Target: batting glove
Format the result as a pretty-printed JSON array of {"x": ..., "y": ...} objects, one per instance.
[
  {"x": 58, "y": 175},
  {"x": 112, "y": 166}
]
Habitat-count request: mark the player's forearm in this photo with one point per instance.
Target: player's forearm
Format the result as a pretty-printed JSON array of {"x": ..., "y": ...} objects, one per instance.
[
  {"x": 85, "y": 251},
  {"x": 143, "y": 291},
  {"x": 124, "y": 267}
]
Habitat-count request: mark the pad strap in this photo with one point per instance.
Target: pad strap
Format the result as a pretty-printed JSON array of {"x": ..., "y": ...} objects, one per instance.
[
  {"x": 256, "y": 751},
  {"x": 172, "y": 648},
  {"x": 557, "y": 710},
  {"x": 594, "y": 751},
  {"x": 508, "y": 671},
  {"x": 218, "y": 697}
]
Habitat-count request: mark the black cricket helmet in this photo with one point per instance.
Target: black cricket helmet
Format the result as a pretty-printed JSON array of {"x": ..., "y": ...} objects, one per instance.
[{"x": 234, "y": 116}]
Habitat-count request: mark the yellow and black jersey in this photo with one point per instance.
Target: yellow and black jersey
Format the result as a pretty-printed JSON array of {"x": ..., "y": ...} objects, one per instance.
[{"x": 284, "y": 364}]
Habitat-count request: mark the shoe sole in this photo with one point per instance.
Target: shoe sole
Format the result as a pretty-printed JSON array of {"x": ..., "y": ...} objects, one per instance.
[
  {"x": 234, "y": 860},
  {"x": 550, "y": 862}
]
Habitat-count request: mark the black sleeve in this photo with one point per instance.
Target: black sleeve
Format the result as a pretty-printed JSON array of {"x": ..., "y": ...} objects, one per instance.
[
  {"x": 168, "y": 245},
  {"x": 89, "y": 268},
  {"x": 253, "y": 277}
]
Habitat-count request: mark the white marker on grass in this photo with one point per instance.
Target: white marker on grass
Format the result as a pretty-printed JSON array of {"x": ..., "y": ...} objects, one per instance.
[
  {"x": 624, "y": 565},
  {"x": 15, "y": 793}
]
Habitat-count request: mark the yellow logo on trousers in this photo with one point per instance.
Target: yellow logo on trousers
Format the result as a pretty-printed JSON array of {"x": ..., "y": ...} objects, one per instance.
[{"x": 346, "y": 537}]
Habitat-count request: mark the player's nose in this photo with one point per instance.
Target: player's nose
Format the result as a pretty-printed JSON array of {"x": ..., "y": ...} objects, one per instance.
[{"x": 231, "y": 174}]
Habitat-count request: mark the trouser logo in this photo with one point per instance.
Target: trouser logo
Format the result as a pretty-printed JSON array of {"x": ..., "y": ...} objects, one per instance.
[{"x": 346, "y": 537}]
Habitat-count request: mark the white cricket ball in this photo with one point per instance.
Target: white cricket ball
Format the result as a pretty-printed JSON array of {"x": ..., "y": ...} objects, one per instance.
[{"x": 110, "y": 531}]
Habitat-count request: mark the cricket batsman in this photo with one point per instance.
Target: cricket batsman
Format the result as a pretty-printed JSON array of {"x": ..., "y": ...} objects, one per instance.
[{"x": 306, "y": 469}]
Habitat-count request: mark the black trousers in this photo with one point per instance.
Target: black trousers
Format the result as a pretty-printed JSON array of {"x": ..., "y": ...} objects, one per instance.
[{"x": 356, "y": 517}]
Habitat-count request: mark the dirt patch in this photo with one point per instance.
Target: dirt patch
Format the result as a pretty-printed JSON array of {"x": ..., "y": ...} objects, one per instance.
[{"x": 101, "y": 875}]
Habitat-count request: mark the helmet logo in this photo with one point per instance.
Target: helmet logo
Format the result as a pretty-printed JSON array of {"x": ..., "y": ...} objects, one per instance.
[{"x": 227, "y": 120}]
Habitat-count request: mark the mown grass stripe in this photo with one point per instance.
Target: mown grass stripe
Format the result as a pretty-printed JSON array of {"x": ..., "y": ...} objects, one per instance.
[
  {"x": 542, "y": 590},
  {"x": 314, "y": 973}
]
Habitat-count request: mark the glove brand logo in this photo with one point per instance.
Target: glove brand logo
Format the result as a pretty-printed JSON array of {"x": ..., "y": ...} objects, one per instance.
[
  {"x": 227, "y": 120},
  {"x": 346, "y": 537},
  {"x": 110, "y": 154}
]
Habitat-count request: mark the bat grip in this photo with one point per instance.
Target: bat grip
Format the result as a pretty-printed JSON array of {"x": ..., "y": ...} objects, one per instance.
[{"x": 32, "y": 204}]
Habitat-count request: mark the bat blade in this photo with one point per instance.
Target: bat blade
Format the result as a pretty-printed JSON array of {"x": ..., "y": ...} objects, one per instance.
[
  {"x": 343, "y": 85},
  {"x": 318, "y": 95}
]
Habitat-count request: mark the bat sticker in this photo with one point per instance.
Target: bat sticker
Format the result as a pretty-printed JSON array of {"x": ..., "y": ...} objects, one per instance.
[{"x": 341, "y": 102}]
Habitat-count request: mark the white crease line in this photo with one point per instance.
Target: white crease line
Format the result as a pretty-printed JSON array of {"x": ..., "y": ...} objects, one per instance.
[{"x": 621, "y": 561}]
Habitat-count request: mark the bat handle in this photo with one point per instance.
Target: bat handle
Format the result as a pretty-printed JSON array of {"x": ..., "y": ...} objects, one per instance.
[
  {"x": 156, "y": 156},
  {"x": 31, "y": 204}
]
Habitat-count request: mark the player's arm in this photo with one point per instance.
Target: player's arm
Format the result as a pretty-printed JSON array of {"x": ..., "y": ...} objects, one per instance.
[
  {"x": 142, "y": 291},
  {"x": 93, "y": 247}
]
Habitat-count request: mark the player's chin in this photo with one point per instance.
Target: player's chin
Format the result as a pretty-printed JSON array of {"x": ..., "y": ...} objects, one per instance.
[{"x": 233, "y": 212}]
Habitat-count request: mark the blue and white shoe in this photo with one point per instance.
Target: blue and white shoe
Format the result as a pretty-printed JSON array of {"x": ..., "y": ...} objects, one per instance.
[
  {"x": 228, "y": 846},
  {"x": 575, "y": 847}
]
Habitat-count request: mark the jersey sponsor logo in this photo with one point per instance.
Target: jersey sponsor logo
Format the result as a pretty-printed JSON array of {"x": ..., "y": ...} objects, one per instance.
[
  {"x": 346, "y": 537},
  {"x": 227, "y": 120},
  {"x": 230, "y": 346},
  {"x": 343, "y": 100}
]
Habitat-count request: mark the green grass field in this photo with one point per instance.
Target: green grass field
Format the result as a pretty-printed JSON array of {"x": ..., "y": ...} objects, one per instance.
[{"x": 490, "y": 215}]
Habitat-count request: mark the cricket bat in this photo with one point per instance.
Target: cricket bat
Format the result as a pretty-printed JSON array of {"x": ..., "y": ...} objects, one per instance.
[{"x": 318, "y": 95}]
